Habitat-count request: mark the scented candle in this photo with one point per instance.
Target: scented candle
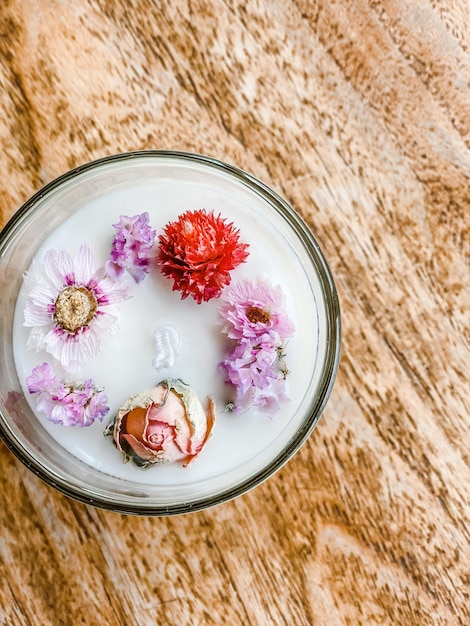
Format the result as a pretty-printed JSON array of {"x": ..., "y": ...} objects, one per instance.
[{"x": 243, "y": 447}]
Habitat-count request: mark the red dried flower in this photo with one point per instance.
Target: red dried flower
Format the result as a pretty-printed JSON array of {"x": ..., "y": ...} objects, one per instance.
[{"x": 198, "y": 251}]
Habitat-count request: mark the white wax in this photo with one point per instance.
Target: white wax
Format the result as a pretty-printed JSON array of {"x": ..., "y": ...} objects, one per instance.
[{"x": 240, "y": 444}]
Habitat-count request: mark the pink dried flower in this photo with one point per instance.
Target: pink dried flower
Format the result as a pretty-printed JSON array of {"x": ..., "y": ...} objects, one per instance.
[
  {"x": 71, "y": 306},
  {"x": 69, "y": 404},
  {"x": 254, "y": 317},
  {"x": 164, "y": 424},
  {"x": 198, "y": 251},
  {"x": 252, "y": 309},
  {"x": 132, "y": 247}
]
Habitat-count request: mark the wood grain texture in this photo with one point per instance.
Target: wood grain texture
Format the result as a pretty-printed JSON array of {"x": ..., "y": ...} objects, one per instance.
[{"x": 358, "y": 112}]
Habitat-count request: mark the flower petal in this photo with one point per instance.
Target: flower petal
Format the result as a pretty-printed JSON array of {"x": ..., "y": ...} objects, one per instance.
[
  {"x": 83, "y": 265},
  {"x": 58, "y": 267}
]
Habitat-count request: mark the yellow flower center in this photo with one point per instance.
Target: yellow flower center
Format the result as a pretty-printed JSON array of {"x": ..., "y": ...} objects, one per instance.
[
  {"x": 74, "y": 308},
  {"x": 254, "y": 314}
]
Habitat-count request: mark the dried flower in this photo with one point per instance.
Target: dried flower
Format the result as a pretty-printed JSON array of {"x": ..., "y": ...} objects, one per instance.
[
  {"x": 254, "y": 317},
  {"x": 252, "y": 309},
  {"x": 198, "y": 251},
  {"x": 71, "y": 307},
  {"x": 164, "y": 424},
  {"x": 252, "y": 364},
  {"x": 69, "y": 404},
  {"x": 132, "y": 247}
]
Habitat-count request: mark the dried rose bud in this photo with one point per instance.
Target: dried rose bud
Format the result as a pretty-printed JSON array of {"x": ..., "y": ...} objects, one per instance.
[{"x": 164, "y": 424}]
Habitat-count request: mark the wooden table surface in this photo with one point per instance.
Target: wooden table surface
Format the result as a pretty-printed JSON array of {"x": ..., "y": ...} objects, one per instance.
[{"x": 358, "y": 113}]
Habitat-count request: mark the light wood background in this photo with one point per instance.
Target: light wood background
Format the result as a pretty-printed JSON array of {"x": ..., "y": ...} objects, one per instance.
[{"x": 358, "y": 112}]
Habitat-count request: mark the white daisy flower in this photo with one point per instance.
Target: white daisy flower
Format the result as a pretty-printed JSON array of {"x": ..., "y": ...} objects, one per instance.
[{"x": 71, "y": 306}]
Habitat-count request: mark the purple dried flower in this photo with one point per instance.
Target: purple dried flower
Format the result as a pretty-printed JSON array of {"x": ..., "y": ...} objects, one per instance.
[
  {"x": 251, "y": 365},
  {"x": 98, "y": 405},
  {"x": 132, "y": 247},
  {"x": 254, "y": 317},
  {"x": 69, "y": 404},
  {"x": 267, "y": 400},
  {"x": 43, "y": 379}
]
